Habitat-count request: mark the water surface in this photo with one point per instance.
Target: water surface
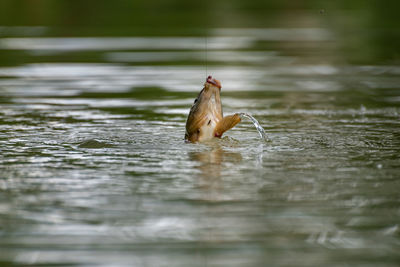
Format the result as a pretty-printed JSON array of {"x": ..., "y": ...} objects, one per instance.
[{"x": 94, "y": 169}]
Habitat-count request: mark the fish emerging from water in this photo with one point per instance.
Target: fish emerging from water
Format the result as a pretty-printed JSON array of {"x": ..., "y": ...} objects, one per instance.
[{"x": 205, "y": 120}]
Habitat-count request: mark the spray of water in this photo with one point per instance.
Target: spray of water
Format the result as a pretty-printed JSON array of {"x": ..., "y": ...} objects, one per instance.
[{"x": 260, "y": 129}]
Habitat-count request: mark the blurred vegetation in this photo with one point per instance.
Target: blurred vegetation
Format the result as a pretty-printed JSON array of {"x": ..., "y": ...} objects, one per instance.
[{"x": 366, "y": 31}]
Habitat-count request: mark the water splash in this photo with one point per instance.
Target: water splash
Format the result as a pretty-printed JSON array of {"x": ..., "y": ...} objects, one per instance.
[{"x": 259, "y": 128}]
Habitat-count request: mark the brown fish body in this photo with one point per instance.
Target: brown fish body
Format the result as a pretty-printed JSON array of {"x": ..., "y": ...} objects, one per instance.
[{"x": 206, "y": 120}]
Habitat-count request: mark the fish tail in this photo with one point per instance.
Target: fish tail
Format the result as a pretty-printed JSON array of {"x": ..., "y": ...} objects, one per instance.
[{"x": 227, "y": 122}]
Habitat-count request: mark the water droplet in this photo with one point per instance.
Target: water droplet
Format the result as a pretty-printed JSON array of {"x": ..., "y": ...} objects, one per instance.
[{"x": 259, "y": 128}]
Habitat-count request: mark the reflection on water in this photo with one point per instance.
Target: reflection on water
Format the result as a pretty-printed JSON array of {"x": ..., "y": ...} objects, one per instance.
[
  {"x": 213, "y": 162},
  {"x": 142, "y": 43},
  {"x": 94, "y": 170}
]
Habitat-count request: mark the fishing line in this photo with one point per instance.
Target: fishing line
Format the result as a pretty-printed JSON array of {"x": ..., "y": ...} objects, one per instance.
[{"x": 206, "y": 51}]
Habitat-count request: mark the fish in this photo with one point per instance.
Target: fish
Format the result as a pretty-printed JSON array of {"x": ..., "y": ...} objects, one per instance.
[{"x": 206, "y": 120}]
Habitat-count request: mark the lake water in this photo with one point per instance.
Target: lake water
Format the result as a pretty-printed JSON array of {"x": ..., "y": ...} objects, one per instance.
[{"x": 95, "y": 171}]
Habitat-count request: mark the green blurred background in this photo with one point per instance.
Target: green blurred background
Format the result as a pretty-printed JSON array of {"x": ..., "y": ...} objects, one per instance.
[{"x": 365, "y": 32}]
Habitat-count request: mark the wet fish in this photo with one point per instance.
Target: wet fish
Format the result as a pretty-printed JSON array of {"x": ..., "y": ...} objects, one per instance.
[{"x": 206, "y": 120}]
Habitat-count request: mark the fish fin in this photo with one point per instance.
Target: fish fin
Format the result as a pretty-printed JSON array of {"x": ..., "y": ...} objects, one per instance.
[
  {"x": 227, "y": 122},
  {"x": 194, "y": 123}
]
